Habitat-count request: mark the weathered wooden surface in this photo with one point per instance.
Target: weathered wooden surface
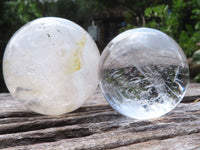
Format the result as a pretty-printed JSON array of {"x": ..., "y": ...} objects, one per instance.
[{"x": 97, "y": 126}]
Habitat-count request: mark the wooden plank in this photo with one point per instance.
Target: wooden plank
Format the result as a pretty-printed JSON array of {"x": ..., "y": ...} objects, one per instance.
[
  {"x": 8, "y": 104},
  {"x": 176, "y": 143},
  {"x": 97, "y": 126},
  {"x": 192, "y": 93}
]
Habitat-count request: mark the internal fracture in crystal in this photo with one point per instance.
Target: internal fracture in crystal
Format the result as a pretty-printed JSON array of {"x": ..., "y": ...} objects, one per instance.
[{"x": 143, "y": 73}]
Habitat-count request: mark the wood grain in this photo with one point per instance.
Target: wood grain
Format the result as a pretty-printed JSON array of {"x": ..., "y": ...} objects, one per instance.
[{"x": 97, "y": 126}]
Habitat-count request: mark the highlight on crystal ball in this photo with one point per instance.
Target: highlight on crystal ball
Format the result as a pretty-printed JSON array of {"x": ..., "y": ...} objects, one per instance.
[
  {"x": 51, "y": 65},
  {"x": 143, "y": 73}
]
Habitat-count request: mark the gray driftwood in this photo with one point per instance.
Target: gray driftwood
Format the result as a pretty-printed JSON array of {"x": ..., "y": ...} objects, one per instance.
[{"x": 97, "y": 126}]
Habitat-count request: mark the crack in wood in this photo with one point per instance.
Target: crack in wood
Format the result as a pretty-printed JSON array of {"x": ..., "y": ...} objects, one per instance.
[{"x": 49, "y": 123}]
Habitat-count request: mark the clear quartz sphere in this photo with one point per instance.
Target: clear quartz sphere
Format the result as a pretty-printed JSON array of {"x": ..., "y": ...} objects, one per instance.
[
  {"x": 143, "y": 73},
  {"x": 51, "y": 65}
]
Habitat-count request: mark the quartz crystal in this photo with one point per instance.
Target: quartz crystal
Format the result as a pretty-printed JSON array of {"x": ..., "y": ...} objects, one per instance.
[
  {"x": 51, "y": 65},
  {"x": 143, "y": 73}
]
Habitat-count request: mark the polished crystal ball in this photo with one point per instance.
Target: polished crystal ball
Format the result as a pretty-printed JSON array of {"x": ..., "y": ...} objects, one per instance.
[
  {"x": 143, "y": 73},
  {"x": 51, "y": 65}
]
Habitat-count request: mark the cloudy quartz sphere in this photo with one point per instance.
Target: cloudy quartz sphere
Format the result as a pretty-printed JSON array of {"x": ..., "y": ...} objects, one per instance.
[
  {"x": 143, "y": 73},
  {"x": 51, "y": 65}
]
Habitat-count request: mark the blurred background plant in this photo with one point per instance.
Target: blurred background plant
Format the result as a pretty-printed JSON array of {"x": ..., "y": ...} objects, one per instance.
[{"x": 180, "y": 19}]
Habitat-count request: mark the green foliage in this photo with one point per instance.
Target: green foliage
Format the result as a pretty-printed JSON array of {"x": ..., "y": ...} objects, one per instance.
[
  {"x": 181, "y": 20},
  {"x": 157, "y": 11},
  {"x": 178, "y": 18},
  {"x": 197, "y": 79},
  {"x": 21, "y": 11},
  {"x": 196, "y": 57},
  {"x": 160, "y": 19},
  {"x": 129, "y": 26},
  {"x": 13, "y": 14}
]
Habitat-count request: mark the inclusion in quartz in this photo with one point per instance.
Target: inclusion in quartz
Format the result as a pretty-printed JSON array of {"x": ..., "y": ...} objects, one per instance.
[
  {"x": 143, "y": 73},
  {"x": 51, "y": 66}
]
